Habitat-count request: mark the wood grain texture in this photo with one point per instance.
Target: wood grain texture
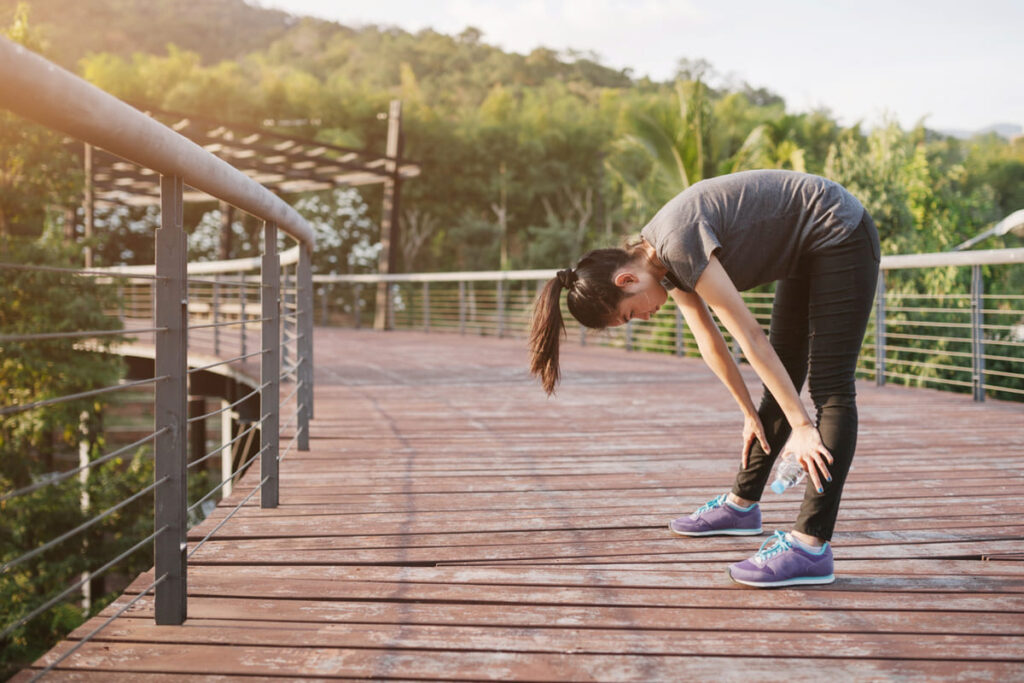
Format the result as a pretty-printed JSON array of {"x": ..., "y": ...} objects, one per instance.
[{"x": 452, "y": 523}]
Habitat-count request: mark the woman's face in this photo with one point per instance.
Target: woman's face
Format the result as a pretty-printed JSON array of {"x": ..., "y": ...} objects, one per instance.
[{"x": 644, "y": 295}]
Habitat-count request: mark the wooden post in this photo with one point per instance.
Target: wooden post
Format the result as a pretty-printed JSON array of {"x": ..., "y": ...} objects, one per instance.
[{"x": 389, "y": 235}]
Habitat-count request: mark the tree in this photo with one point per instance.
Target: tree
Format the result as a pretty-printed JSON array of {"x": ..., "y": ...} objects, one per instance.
[
  {"x": 37, "y": 170},
  {"x": 32, "y": 442}
]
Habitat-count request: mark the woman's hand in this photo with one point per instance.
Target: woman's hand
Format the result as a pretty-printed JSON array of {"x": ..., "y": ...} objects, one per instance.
[
  {"x": 807, "y": 447},
  {"x": 752, "y": 430}
]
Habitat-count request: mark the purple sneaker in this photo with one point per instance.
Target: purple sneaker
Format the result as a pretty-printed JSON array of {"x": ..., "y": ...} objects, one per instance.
[
  {"x": 719, "y": 518},
  {"x": 782, "y": 562}
]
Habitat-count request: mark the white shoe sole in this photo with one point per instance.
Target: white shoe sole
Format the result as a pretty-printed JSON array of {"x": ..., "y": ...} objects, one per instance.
[
  {"x": 721, "y": 532},
  {"x": 803, "y": 581}
]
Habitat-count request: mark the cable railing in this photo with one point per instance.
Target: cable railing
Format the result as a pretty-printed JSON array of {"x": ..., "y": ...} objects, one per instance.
[
  {"x": 971, "y": 340},
  {"x": 235, "y": 331}
]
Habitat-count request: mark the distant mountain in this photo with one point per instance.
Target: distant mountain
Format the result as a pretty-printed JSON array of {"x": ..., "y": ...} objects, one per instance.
[
  {"x": 215, "y": 29},
  {"x": 1005, "y": 130}
]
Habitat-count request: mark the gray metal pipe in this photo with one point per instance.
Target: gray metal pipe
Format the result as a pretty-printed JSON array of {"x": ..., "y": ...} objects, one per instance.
[
  {"x": 41, "y": 91},
  {"x": 988, "y": 257}
]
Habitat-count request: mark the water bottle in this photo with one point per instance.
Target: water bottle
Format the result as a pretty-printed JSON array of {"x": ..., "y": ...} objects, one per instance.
[{"x": 788, "y": 473}]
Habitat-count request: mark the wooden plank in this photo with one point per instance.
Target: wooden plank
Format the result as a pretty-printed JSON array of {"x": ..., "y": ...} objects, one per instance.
[
  {"x": 691, "y": 641},
  {"x": 450, "y": 522},
  {"x": 499, "y": 665},
  {"x": 730, "y": 609},
  {"x": 1006, "y": 589},
  {"x": 916, "y": 544},
  {"x": 399, "y": 536}
]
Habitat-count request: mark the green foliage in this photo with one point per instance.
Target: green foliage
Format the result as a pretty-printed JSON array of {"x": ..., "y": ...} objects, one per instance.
[
  {"x": 34, "y": 443},
  {"x": 921, "y": 196},
  {"x": 37, "y": 302},
  {"x": 34, "y": 519},
  {"x": 36, "y": 171}
]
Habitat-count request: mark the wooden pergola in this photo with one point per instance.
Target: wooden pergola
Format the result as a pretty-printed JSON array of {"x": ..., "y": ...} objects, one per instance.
[{"x": 284, "y": 164}]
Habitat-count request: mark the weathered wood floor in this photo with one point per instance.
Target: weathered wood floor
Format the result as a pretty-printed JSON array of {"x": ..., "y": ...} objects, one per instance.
[{"x": 450, "y": 522}]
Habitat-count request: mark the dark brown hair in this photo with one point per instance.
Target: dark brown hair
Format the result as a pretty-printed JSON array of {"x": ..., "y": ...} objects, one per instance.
[{"x": 592, "y": 299}]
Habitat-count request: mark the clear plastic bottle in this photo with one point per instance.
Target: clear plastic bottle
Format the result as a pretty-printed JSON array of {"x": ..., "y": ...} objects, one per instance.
[{"x": 788, "y": 473}]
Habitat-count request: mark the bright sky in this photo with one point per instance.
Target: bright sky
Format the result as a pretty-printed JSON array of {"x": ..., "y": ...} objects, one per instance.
[{"x": 960, "y": 64}]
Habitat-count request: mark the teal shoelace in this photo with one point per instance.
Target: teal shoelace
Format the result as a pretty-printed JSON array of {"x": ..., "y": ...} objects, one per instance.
[
  {"x": 710, "y": 505},
  {"x": 780, "y": 545}
]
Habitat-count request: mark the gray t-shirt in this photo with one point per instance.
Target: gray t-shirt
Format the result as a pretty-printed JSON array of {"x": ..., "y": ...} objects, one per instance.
[{"x": 757, "y": 223}]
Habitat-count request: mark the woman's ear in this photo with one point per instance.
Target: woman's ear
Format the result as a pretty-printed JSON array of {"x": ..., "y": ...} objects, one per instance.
[{"x": 624, "y": 278}]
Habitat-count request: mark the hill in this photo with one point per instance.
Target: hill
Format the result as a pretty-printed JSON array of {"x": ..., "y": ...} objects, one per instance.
[
  {"x": 215, "y": 29},
  {"x": 219, "y": 30}
]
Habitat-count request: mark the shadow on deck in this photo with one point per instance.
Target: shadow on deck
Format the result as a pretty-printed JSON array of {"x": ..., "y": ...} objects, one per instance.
[{"x": 450, "y": 522}]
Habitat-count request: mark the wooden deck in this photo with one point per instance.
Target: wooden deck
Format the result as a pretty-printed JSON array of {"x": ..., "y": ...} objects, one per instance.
[{"x": 450, "y": 522}]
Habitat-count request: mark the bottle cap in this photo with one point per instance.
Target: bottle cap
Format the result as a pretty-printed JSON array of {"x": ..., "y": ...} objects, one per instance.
[{"x": 778, "y": 486}]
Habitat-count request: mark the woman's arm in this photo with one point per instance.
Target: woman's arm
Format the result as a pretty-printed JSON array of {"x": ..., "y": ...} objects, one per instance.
[
  {"x": 715, "y": 353},
  {"x": 716, "y": 288}
]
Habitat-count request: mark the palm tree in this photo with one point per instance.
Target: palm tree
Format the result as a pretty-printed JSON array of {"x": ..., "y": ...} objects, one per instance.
[
  {"x": 673, "y": 132},
  {"x": 770, "y": 145}
]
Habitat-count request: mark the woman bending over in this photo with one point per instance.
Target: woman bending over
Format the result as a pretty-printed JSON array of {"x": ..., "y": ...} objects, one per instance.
[{"x": 716, "y": 238}]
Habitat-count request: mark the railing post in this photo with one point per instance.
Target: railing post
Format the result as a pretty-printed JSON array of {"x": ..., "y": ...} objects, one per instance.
[
  {"x": 462, "y": 307},
  {"x": 358, "y": 307},
  {"x": 305, "y": 345},
  {"x": 287, "y": 328},
  {"x": 880, "y": 330},
  {"x": 977, "y": 334},
  {"x": 392, "y": 295},
  {"x": 243, "y": 295},
  {"x": 216, "y": 315},
  {"x": 501, "y": 309},
  {"x": 170, "y": 406},
  {"x": 270, "y": 367},
  {"x": 680, "y": 345},
  {"x": 629, "y": 335},
  {"x": 323, "y": 304},
  {"x": 426, "y": 307}
]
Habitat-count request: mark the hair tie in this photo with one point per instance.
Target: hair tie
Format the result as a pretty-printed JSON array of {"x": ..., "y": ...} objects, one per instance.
[{"x": 567, "y": 277}]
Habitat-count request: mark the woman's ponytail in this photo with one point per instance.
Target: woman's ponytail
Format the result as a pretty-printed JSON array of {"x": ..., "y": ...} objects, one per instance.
[{"x": 546, "y": 333}]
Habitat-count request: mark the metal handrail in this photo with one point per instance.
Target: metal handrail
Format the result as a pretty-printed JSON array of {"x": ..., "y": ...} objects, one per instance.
[
  {"x": 37, "y": 89},
  {"x": 499, "y": 302},
  {"x": 987, "y": 257}
]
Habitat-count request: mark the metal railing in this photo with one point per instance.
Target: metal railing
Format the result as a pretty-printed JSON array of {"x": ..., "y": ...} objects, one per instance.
[
  {"x": 969, "y": 340},
  {"x": 192, "y": 321}
]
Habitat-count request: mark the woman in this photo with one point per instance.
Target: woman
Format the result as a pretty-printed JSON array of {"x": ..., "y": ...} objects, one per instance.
[{"x": 714, "y": 239}]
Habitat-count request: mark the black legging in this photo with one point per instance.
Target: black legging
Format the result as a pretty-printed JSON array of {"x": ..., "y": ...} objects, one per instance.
[{"x": 819, "y": 318}]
